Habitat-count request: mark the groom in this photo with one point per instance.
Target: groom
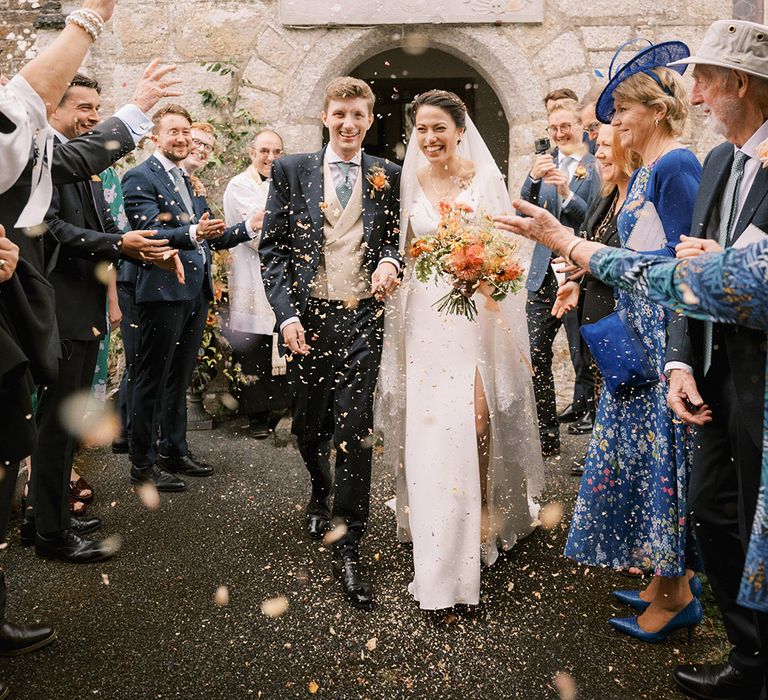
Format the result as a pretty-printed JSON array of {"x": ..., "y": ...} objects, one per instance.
[{"x": 329, "y": 252}]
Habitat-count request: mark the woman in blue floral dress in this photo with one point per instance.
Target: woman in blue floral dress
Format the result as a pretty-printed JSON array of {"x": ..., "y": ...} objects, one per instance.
[{"x": 631, "y": 510}]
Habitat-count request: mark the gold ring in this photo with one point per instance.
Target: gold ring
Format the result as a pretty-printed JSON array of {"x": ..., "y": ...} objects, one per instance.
[{"x": 2, "y": 263}]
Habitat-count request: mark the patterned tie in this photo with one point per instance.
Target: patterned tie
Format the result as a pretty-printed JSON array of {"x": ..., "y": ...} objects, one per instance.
[
  {"x": 183, "y": 189},
  {"x": 724, "y": 234},
  {"x": 344, "y": 187}
]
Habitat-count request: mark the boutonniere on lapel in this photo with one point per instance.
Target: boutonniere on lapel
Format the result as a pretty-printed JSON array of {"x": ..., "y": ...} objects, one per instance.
[
  {"x": 198, "y": 188},
  {"x": 378, "y": 180},
  {"x": 762, "y": 153},
  {"x": 95, "y": 178},
  {"x": 323, "y": 206},
  {"x": 581, "y": 172}
]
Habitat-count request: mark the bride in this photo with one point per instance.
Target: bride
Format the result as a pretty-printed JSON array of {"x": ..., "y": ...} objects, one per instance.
[{"x": 455, "y": 397}]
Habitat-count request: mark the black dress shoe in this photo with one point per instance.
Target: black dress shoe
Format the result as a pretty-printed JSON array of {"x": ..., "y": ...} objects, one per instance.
[
  {"x": 163, "y": 480},
  {"x": 719, "y": 681},
  {"x": 347, "y": 568},
  {"x": 259, "y": 431},
  {"x": 550, "y": 447},
  {"x": 5, "y": 690},
  {"x": 80, "y": 526},
  {"x": 316, "y": 526},
  {"x": 577, "y": 467},
  {"x": 69, "y": 547},
  {"x": 186, "y": 465},
  {"x": 584, "y": 425},
  {"x": 16, "y": 640},
  {"x": 569, "y": 415},
  {"x": 120, "y": 445}
]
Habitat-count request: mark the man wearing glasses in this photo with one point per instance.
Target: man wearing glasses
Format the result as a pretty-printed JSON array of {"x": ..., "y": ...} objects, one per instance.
[{"x": 564, "y": 182}]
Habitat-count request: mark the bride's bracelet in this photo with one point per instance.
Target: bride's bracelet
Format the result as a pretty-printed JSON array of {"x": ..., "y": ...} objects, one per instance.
[
  {"x": 569, "y": 250},
  {"x": 88, "y": 20}
]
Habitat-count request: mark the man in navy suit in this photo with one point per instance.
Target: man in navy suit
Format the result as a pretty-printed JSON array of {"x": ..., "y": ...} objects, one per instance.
[
  {"x": 329, "y": 252},
  {"x": 171, "y": 315},
  {"x": 565, "y": 183}
]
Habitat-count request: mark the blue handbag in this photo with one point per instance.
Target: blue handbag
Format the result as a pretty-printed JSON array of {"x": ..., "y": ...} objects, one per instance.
[{"x": 619, "y": 354}]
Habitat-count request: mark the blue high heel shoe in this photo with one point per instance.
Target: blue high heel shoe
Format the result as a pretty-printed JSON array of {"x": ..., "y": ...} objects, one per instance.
[
  {"x": 690, "y": 616},
  {"x": 633, "y": 599}
]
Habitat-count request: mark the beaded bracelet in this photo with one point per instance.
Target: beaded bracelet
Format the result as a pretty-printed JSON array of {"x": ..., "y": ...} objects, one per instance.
[
  {"x": 88, "y": 21},
  {"x": 569, "y": 250}
]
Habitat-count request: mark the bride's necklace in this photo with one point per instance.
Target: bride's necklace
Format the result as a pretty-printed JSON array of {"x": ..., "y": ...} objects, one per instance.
[{"x": 453, "y": 180}]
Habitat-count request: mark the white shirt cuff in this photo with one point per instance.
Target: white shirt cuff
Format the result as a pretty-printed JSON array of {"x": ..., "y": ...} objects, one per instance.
[
  {"x": 138, "y": 123},
  {"x": 395, "y": 262},
  {"x": 535, "y": 180},
  {"x": 677, "y": 365},
  {"x": 249, "y": 229},
  {"x": 193, "y": 235},
  {"x": 288, "y": 321},
  {"x": 567, "y": 200}
]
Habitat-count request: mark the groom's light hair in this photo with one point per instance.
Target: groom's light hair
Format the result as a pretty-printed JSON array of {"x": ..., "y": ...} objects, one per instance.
[{"x": 346, "y": 87}]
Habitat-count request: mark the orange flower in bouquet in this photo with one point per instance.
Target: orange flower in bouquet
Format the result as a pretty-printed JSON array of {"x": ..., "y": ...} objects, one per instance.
[{"x": 467, "y": 251}]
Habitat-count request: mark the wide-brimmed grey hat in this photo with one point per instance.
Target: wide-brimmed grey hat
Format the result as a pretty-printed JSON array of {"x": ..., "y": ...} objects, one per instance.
[{"x": 733, "y": 43}]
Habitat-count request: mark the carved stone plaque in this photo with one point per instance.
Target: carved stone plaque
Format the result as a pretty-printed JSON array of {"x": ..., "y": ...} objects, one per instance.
[{"x": 367, "y": 12}]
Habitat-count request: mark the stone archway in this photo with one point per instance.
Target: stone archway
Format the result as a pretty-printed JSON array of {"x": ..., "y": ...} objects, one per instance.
[{"x": 494, "y": 55}]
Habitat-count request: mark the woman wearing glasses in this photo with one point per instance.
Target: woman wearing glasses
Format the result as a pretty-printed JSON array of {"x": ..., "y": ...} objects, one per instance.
[{"x": 564, "y": 182}]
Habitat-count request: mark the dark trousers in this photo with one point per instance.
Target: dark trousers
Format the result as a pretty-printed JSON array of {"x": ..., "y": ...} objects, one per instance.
[
  {"x": 129, "y": 334},
  {"x": 332, "y": 390},
  {"x": 725, "y": 478},
  {"x": 52, "y": 459},
  {"x": 259, "y": 393},
  {"x": 542, "y": 328},
  {"x": 169, "y": 338}
]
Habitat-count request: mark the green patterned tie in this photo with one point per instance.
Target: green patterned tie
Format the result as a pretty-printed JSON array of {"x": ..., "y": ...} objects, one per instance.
[
  {"x": 724, "y": 234},
  {"x": 344, "y": 187}
]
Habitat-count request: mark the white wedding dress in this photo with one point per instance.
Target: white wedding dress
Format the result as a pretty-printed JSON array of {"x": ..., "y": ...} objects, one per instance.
[{"x": 426, "y": 412}]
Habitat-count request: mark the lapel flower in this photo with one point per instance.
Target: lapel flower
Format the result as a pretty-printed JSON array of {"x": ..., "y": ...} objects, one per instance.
[
  {"x": 198, "y": 189},
  {"x": 378, "y": 180},
  {"x": 581, "y": 172},
  {"x": 762, "y": 153},
  {"x": 323, "y": 206},
  {"x": 95, "y": 178}
]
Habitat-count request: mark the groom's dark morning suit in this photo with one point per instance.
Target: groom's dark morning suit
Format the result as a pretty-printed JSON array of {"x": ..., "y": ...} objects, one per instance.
[
  {"x": 317, "y": 258},
  {"x": 171, "y": 316},
  {"x": 725, "y": 475}
]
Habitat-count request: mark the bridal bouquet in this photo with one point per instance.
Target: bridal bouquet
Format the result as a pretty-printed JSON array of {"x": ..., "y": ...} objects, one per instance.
[{"x": 471, "y": 254}]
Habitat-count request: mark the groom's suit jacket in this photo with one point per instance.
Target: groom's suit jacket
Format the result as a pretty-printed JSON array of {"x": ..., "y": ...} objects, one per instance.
[
  {"x": 293, "y": 232},
  {"x": 744, "y": 347},
  {"x": 152, "y": 202},
  {"x": 585, "y": 190}
]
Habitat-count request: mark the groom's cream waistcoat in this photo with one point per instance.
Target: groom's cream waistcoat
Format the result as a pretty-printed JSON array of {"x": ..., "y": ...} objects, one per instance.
[{"x": 341, "y": 273}]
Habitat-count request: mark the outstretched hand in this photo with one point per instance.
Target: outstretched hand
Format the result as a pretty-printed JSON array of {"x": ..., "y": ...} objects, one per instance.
[
  {"x": 684, "y": 399},
  {"x": 154, "y": 86},
  {"x": 537, "y": 224}
]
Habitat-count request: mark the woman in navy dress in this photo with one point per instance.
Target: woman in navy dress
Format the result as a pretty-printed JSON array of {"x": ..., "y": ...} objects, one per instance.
[{"x": 631, "y": 510}]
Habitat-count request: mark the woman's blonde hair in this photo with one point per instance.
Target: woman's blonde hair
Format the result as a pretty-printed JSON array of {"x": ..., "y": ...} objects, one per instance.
[
  {"x": 642, "y": 88},
  {"x": 626, "y": 161}
]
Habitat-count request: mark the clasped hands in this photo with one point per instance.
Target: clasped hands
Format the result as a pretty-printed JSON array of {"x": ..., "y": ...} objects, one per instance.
[{"x": 142, "y": 246}]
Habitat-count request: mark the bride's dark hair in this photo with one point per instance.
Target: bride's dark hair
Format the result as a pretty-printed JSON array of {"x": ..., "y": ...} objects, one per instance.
[{"x": 447, "y": 101}]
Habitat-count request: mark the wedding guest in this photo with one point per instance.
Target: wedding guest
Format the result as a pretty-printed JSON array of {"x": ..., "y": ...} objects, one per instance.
[
  {"x": 589, "y": 119},
  {"x": 631, "y": 509},
  {"x": 565, "y": 181},
  {"x": 717, "y": 372},
  {"x": 80, "y": 234},
  {"x": 24, "y": 199},
  {"x": 727, "y": 287},
  {"x": 593, "y": 299},
  {"x": 171, "y": 313},
  {"x": 203, "y": 143},
  {"x": 262, "y": 392}
]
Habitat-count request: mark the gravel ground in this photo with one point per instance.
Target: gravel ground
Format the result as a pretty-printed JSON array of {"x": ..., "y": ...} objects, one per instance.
[{"x": 146, "y": 625}]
